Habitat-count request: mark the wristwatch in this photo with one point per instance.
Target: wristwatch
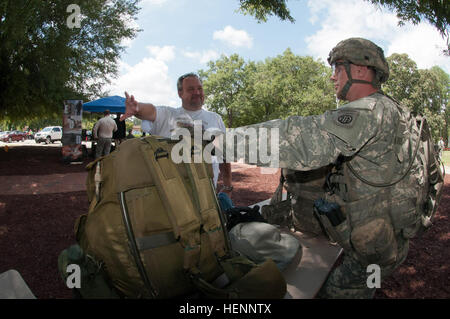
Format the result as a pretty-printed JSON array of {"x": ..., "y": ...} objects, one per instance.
[{"x": 227, "y": 188}]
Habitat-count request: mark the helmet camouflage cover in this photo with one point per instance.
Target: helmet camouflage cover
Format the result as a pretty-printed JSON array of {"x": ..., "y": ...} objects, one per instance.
[{"x": 360, "y": 51}]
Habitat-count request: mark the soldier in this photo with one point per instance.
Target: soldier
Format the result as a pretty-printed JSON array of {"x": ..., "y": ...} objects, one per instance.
[{"x": 362, "y": 139}]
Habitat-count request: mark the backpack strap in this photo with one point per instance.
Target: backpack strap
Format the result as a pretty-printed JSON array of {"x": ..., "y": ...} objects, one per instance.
[
  {"x": 362, "y": 179},
  {"x": 201, "y": 191},
  {"x": 181, "y": 212},
  {"x": 277, "y": 196}
]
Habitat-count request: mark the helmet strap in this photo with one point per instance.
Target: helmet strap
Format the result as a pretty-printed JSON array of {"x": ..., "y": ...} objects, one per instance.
[{"x": 343, "y": 93}]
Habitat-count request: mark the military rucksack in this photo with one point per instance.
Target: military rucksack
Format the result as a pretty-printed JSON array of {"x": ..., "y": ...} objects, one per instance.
[
  {"x": 154, "y": 230},
  {"x": 422, "y": 176}
]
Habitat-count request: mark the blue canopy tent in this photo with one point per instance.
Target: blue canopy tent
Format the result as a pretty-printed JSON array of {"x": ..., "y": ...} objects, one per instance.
[{"x": 115, "y": 104}]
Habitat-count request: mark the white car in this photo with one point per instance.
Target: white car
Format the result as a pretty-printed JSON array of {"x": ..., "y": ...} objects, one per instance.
[{"x": 49, "y": 134}]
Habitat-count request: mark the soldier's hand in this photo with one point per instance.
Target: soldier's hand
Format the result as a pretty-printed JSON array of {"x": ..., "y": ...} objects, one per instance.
[{"x": 131, "y": 107}]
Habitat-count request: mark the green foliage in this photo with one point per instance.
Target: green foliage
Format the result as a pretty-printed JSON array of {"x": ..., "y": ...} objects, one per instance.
[
  {"x": 292, "y": 85},
  {"x": 403, "y": 80},
  {"x": 436, "y": 12},
  {"x": 128, "y": 125},
  {"x": 89, "y": 119},
  {"x": 436, "y": 122},
  {"x": 250, "y": 92},
  {"x": 422, "y": 91},
  {"x": 223, "y": 82},
  {"x": 253, "y": 92},
  {"x": 43, "y": 61},
  {"x": 261, "y": 9}
]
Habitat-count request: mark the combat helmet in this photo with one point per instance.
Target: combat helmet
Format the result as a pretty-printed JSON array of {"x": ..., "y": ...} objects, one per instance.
[{"x": 361, "y": 51}]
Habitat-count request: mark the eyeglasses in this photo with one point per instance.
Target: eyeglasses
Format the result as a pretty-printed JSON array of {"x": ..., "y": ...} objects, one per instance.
[{"x": 334, "y": 67}]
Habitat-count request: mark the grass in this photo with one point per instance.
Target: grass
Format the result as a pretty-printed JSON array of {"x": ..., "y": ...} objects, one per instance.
[{"x": 446, "y": 158}]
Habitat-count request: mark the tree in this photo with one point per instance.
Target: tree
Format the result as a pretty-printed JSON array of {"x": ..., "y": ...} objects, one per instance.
[
  {"x": 435, "y": 93},
  {"x": 403, "y": 81},
  {"x": 261, "y": 9},
  {"x": 437, "y": 12},
  {"x": 290, "y": 85},
  {"x": 223, "y": 82},
  {"x": 47, "y": 57},
  {"x": 252, "y": 92},
  {"x": 422, "y": 91}
]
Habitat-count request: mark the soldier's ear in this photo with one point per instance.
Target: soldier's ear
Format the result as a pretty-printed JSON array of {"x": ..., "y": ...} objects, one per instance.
[{"x": 363, "y": 72}]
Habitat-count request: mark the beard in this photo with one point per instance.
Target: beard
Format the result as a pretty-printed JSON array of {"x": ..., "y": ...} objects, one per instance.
[{"x": 196, "y": 102}]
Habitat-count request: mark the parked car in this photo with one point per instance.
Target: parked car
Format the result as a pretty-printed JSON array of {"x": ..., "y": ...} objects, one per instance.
[
  {"x": 49, "y": 135},
  {"x": 14, "y": 136},
  {"x": 2, "y": 134}
]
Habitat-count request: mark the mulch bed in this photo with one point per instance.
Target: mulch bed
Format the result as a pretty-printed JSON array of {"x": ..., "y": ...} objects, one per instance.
[{"x": 34, "y": 229}]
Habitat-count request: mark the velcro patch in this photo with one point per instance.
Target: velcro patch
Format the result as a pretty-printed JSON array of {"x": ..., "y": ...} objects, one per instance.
[{"x": 345, "y": 118}]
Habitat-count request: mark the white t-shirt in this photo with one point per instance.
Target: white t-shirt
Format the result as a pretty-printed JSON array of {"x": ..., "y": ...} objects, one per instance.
[
  {"x": 105, "y": 127},
  {"x": 168, "y": 119}
]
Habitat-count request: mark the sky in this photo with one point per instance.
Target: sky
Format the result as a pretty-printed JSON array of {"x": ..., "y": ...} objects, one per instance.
[{"x": 180, "y": 36}]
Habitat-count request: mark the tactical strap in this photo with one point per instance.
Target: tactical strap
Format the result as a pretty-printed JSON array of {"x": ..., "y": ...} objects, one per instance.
[
  {"x": 176, "y": 200},
  {"x": 362, "y": 179},
  {"x": 278, "y": 195},
  {"x": 209, "y": 226}
]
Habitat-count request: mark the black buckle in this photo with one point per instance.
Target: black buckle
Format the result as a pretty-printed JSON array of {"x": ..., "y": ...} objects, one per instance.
[{"x": 160, "y": 153}]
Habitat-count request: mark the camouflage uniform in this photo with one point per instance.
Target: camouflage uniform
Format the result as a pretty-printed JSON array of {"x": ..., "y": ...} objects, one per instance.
[{"x": 366, "y": 134}]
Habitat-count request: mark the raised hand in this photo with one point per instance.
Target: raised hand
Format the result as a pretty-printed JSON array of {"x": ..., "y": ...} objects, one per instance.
[{"x": 131, "y": 107}]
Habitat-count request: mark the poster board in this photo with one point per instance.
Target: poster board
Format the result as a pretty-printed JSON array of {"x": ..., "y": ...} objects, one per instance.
[{"x": 72, "y": 150}]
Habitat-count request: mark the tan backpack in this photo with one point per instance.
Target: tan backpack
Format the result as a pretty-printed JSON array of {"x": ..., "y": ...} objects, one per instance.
[{"x": 154, "y": 230}]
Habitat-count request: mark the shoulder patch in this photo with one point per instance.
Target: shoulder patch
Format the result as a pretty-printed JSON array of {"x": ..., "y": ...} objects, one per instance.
[{"x": 345, "y": 118}]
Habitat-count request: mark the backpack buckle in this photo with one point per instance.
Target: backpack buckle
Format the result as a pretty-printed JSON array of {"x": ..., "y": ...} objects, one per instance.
[{"x": 161, "y": 153}]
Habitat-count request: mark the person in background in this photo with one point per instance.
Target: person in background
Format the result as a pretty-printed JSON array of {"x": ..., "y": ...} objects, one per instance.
[
  {"x": 130, "y": 135},
  {"x": 103, "y": 132},
  {"x": 119, "y": 135},
  {"x": 441, "y": 145}
]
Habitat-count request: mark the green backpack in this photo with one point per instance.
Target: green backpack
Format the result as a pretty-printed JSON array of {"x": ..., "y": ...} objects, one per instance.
[{"x": 155, "y": 230}]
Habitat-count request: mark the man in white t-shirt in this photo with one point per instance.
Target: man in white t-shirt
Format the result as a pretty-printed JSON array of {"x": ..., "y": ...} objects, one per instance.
[
  {"x": 165, "y": 120},
  {"x": 103, "y": 131}
]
